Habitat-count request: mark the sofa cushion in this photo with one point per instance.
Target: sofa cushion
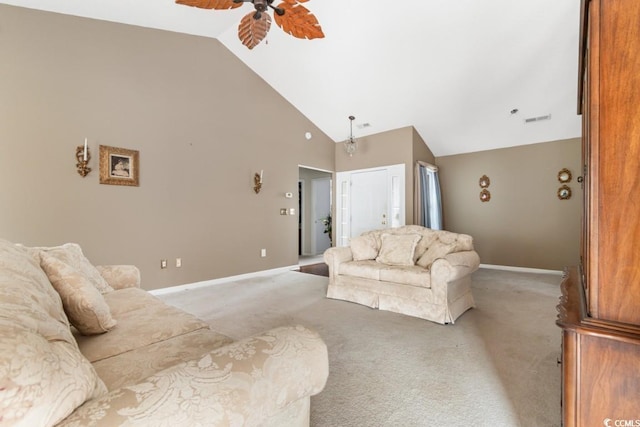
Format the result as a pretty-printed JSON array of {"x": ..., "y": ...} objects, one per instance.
[
  {"x": 43, "y": 376},
  {"x": 134, "y": 366},
  {"x": 71, "y": 253},
  {"x": 398, "y": 249},
  {"x": 83, "y": 303},
  {"x": 363, "y": 247},
  {"x": 141, "y": 326}
]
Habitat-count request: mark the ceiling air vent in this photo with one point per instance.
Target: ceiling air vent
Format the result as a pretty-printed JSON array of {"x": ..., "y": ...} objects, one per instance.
[
  {"x": 363, "y": 125},
  {"x": 537, "y": 119}
]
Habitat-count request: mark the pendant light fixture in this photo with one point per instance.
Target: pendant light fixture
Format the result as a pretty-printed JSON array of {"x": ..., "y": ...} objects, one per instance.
[{"x": 350, "y": 144}]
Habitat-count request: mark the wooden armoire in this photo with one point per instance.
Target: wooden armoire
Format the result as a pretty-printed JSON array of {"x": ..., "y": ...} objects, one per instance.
[{"x": 599, "y": 311}]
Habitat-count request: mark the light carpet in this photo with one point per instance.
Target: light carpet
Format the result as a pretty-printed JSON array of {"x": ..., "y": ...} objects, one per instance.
[{"x": 496, "y": 366}]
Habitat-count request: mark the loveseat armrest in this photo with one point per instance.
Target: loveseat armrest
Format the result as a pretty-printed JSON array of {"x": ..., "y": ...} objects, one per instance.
[
  {"x": 242, "y": 383},
  {"x": 333, "y": 257},
  {"x": 468, "y": 259},
  {"x": 120, "y": 276}
]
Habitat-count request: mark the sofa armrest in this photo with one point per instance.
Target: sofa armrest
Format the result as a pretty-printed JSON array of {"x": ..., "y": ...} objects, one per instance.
[
  {"x": 242, "y": 383},
  {"x": 120, "y": 276},
  {"x": 333, "y": 257}
]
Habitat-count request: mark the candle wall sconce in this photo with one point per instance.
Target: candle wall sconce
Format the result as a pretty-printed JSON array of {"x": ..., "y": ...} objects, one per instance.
[
  {"x": 564, "y": 176},
  {"x": 257, "y": 182},
  {"x": 83, "y": 156},
  {"x": 484, "y": 183},
  {"x": 564, "y": 192}
]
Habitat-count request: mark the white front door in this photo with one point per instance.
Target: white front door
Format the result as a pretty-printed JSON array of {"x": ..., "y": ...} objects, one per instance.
[
  {"x": 369, "y": 199},
  {"x": 321, "y": 193}
]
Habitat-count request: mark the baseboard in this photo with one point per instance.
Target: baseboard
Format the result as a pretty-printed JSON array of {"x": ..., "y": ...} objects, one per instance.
[
  {"x": 197, "y": 285},
  {"x": 520, "y": 269}
]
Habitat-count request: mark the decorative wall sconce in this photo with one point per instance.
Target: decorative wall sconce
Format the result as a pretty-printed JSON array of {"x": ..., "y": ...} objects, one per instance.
[
  {"x": 257, "y": 180},
  {"x": 564, "y": 176},
  {"x": 83, "y": 156},
  {"x": 484, "y": 183},
  {"x": 564, "y": 192}
]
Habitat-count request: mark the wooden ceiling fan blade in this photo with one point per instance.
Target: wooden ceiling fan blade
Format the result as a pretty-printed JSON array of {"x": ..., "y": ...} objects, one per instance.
[
  {"x": 211, "y": 4},
  {"x": 252, "y": 31},
  {"x": 298, "y": 21}
]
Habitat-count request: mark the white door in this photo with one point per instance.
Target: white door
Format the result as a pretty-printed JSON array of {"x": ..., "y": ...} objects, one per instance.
[
  {"x": 369, "y": 201},
  {"x": 321, "y": 193}
]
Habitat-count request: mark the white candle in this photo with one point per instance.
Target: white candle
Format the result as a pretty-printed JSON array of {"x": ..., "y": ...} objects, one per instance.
[
  {"x": 261, "y": 172},
  {"x": 84, "y": 154}
]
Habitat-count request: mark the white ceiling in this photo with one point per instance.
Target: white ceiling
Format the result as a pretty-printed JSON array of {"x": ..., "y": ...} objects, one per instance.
[{"x": 454, "y": 69}]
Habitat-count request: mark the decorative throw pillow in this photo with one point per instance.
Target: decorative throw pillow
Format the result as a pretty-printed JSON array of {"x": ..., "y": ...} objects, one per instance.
[
  {"x": 71, "y": 253},
  {"x": 364, "y": 247},
  {"x": 84, "y": 304},
  {"x": 398, "y": 249},
  {"x": 435, "y": 251}
]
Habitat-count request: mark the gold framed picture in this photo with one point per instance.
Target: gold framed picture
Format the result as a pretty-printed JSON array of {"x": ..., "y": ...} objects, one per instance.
[{"x": 119, "y": 166}]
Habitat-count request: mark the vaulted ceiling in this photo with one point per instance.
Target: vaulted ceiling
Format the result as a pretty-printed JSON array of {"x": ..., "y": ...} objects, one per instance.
[{"x": 456, "y": 70}]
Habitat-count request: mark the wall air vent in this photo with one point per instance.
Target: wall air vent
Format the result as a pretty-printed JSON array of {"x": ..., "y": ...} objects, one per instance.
[{"x": 537, "y": 119}]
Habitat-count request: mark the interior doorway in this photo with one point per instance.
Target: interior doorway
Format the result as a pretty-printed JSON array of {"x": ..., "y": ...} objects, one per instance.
[{"x": 314, "y": 210}]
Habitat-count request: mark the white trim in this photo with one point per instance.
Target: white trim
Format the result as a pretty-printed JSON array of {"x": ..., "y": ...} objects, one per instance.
[
  {"x": 302, "y": 195},
  {"x": 520, "y": 269},
  {"x": 315, "y": 169},
  {"x": 197, "y": 285}
]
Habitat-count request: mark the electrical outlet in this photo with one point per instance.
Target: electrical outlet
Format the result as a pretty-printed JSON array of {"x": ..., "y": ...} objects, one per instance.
[
  {"x": 263, "y": 253},
  {"x": 163, "y": 263},
  {"x": 178, "y": 262}
]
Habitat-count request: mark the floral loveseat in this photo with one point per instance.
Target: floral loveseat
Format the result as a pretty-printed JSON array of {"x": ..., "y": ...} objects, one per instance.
[
  {"x": 411, "y": 270},
  {"x": 85, "y": 346}
]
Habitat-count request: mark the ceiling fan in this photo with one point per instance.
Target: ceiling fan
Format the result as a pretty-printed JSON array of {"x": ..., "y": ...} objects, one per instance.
[{"x": 290, "y": 15}]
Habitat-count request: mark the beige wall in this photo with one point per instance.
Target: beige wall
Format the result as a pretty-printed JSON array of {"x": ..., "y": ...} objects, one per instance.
[
  {"x": 524, "y": 224},
  {"x": 202, "y": 121},
  {"x": 398, "y": 146}
]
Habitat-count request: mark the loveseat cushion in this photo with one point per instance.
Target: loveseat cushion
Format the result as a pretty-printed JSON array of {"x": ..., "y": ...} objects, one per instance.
[
  {"x": 84, "y": 305},
  {"x": 364, "y": 247},
  {"x": 363, "y": 269},
  {"x": 43, "y": 375},
  {"x": 397, "y": 249},
  {"x": 142, "y": 320},
  {"x": 409, "y": 275}
]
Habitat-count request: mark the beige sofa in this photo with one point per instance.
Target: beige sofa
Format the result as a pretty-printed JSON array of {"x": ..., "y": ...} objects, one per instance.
[
  {"x": 85, "y": 346},
  {"x": 411, "y": 270}
]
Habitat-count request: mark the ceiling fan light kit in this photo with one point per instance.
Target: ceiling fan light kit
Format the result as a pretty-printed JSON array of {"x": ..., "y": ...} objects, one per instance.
[{"x": 290, "y": 15}]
